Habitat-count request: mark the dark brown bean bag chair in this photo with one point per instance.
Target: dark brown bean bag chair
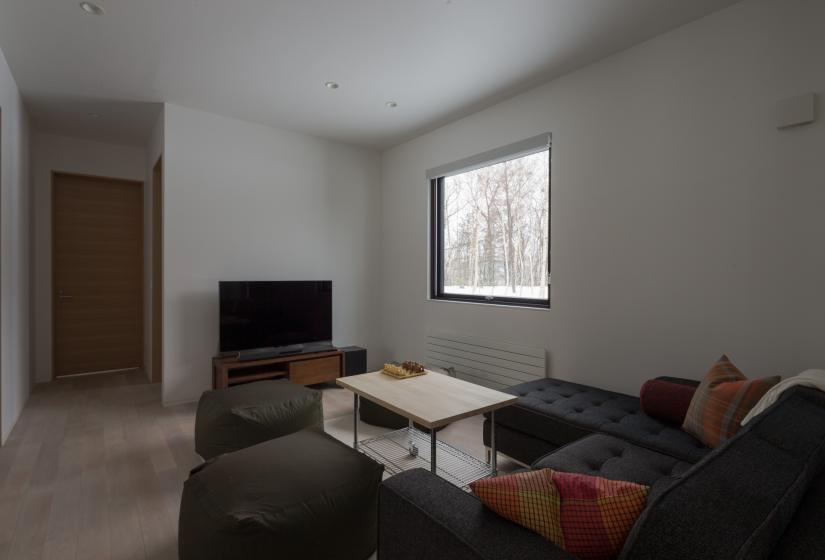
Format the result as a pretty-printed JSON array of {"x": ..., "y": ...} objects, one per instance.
[
  {"x": 305, "y": 495},
  {"x": 231, "y": 419}
]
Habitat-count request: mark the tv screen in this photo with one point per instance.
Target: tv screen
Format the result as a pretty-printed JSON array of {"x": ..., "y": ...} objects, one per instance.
[{"x": 263, "y": 314}]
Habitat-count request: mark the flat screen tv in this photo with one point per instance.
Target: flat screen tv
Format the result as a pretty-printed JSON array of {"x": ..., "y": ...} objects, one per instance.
[{"x": 273, "y": 314}]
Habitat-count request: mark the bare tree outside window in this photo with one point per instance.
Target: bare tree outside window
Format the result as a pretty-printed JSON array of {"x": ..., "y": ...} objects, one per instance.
[{"x": 494, "y": 230}]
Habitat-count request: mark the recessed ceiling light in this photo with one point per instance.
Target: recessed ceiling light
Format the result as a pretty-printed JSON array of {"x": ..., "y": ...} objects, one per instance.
[
  {"x": 331, "y": 85},
  {"x": 91, "y": 8},
  {"x": 391, "y": 104},
  {"x": 93, "y": 115}
]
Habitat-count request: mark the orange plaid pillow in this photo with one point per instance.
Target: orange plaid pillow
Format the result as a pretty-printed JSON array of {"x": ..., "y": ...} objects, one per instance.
[
  {"x": 721, "y": 401},
  {"x": 587, "y": 516}
]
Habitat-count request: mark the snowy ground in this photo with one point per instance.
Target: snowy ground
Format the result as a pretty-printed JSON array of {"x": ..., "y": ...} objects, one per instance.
[{"x": 528, "y": 292}]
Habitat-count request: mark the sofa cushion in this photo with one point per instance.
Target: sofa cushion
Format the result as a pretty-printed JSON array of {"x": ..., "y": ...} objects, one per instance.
[
  {"x": 722, "y": 400},
  {"x": 561, "y": 412},
  {"x": 423, "y": 517},
  {"x": 613, "y": 458},
  {"x": 737, "y": 502},
  {"x": 588, "y": 516},
  {"x": 667, "y": 399}
]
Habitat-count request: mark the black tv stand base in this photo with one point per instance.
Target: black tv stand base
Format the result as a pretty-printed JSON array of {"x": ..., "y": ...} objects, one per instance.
[{"x": 271, "y": 352}]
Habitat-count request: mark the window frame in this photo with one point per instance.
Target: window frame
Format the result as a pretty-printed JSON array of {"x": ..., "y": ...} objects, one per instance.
[{"x": 437, "y": 243}]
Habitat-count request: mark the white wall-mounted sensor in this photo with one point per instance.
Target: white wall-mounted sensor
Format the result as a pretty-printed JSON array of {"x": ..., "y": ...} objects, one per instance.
[{"x": 796, "y": 111}]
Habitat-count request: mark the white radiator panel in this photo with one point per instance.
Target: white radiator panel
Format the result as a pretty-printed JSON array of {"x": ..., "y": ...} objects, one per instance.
[{"x": 490, "y": 363}]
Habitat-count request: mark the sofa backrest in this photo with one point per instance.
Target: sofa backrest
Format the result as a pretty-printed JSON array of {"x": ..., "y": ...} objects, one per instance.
[
  {"x": 737, "y": 502},
  {"x": 804, "y": 539}
]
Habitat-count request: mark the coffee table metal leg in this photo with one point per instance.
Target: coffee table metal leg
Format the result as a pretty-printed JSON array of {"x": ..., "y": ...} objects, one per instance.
[
  {"x": 432, "y": 450},
  {"x": 355, "y": 403},
  {"x": 493, "y": 453}
]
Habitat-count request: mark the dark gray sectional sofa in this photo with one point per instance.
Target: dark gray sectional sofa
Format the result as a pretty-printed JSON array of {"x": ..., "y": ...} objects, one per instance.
[
  {"x": 760, "y": 495},
  {"x": 551, "y": 413}
]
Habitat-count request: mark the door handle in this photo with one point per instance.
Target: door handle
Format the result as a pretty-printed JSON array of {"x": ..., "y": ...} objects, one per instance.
[{"x": 61, "y": 295}]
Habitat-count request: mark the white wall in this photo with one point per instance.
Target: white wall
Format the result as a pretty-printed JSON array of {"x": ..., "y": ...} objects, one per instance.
[
  {"x": 248, "y": 202},
  {"x": 684, "y": 225},
  {"x": 154, "y": 150},
  {"x": 15, "y": 300},
  {"x": 58, "y": 153}
]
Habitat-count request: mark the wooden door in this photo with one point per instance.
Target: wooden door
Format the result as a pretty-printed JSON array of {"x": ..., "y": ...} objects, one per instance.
[{"x": 97, "y": 266}]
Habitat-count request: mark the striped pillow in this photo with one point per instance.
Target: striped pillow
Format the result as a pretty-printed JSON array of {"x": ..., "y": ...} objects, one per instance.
[
  {"x": 588, "y": 516},
  {"x": 722, "y": 400}
]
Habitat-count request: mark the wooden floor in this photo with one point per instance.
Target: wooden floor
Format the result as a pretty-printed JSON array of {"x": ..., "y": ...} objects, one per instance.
[
  {"x": 93, "y": 470},
  {"x": 95, "y": 466}
]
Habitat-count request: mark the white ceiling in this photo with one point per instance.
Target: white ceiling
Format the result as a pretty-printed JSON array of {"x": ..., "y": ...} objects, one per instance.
[{"x": 267, "y": 60}]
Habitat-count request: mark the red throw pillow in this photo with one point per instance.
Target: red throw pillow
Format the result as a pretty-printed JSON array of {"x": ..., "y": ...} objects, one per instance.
[
  {"x": 588, "y": 516},
  {"x": 666, "y": 400},
  {"x": 722, "y": 400}
]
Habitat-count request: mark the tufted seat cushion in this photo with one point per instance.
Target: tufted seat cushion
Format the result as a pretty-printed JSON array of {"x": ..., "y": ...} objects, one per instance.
[
  {"x": 613, "y": 458},
  {"x": 559, "y": 412}
]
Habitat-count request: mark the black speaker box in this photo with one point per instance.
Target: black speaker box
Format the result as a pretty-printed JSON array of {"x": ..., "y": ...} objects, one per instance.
[{"x": 355, "y": 360}]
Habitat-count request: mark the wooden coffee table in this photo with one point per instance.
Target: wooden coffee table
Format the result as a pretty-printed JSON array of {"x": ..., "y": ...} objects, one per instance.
[{"x": 432, "y": 400}]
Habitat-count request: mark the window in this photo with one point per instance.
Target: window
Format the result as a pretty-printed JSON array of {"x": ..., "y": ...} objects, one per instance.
[{"x": 490, "y": 238}]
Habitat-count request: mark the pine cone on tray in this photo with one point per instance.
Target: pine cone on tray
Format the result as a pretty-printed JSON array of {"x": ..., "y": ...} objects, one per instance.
[{"x": 414, "y": 367}]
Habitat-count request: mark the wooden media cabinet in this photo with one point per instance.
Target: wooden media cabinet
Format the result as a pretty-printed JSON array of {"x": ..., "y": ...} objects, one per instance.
[{"x": 303, "y": 369}]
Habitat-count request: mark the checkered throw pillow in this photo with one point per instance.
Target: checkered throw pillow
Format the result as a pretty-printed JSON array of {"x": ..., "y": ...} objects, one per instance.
[
  {"x": 588, "y": 516},
  {"x": 721, "y": 401}
]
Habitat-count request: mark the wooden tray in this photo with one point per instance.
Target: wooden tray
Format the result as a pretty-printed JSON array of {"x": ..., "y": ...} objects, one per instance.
[{"x": 403, "y": 373}]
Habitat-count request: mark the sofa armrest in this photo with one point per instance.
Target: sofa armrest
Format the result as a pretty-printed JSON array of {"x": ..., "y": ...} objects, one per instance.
[{"x": 423, "y": 517}]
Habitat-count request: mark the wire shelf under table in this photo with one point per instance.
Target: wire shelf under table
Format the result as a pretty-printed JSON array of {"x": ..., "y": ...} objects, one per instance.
[{"x": 452, "y": 464}]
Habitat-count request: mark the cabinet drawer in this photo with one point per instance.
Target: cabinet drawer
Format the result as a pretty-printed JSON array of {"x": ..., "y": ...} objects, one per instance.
[{"x": 309, "y": 372}]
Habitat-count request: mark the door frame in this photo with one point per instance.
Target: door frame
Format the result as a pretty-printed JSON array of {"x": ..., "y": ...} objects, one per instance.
[
  {"x": 156, "y": 295},
  {"x": 53, "y": 276}
]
